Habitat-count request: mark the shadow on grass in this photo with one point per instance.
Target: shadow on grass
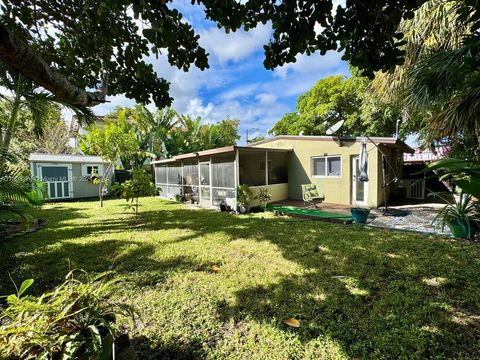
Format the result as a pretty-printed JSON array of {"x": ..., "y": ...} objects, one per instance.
[{"x": 379, "y": 294}]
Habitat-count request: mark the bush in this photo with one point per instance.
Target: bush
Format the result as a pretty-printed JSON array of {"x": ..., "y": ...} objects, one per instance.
[{"x": 76, "y": 320}]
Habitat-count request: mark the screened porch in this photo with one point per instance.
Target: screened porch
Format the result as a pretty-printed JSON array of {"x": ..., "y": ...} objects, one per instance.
[{"x": 211, "y": 177}]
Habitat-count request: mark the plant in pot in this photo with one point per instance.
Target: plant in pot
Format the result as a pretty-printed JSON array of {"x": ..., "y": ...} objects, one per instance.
[
  {"x": 461, "y": 217},
  {"x": 360, "y": 214},
  {"x": 244, "y": 198},
  {"x": 263, "y": 196}
]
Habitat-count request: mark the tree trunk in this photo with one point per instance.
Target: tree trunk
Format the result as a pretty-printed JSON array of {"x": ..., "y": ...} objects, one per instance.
[
  {"x": 16, "y": 52},
  {"x": 13, "y": 116}
]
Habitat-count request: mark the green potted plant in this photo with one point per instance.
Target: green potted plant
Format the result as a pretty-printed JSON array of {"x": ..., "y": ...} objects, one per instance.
[
  {"x": 461, "y": 217},
  {"x": 263, "y": 196},
  {"x": 244, "y": 198}
]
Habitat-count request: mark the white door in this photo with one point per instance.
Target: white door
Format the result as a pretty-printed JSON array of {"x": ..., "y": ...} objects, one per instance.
[
  {"x": 205, "y": 190},
  {"x": 58, "y": 180},
  {"x": 359, "y": 188}
]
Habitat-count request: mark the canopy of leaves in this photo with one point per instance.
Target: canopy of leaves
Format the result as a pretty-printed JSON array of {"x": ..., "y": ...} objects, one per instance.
[
  {"x": 192, "y": 136},
  {"x": 336, "y": 98},
  {"x": 106, "y": 44},
  {"x": 114, "y": 142}
]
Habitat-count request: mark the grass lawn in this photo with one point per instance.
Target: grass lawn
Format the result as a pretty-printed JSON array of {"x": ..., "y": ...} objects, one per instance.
[{"x": 213, "y": 285}]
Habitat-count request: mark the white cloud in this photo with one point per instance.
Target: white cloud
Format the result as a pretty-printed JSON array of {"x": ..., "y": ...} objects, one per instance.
[
  {"x": 266, "y": 98},
  {"x": 234, "y": 46}
]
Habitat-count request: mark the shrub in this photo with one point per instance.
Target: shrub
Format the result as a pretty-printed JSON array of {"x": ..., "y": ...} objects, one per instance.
[{"x": 76, "y": 320}]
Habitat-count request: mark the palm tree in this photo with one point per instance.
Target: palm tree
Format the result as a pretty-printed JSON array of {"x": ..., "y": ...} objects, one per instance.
[
  {"x": 446, "y": 85},
  {"x": 17, "y": 188},
  {"x": 24, "y": 94}
]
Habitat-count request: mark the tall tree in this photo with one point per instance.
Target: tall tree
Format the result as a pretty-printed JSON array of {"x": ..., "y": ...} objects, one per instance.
[
  {"x": 192, "y": 136},
  {"x": 68, "y": 46},
  {"x": 22, "y": 100},
  {"x": 53, "y": 140},
  {"x": 337, "y": 98}
]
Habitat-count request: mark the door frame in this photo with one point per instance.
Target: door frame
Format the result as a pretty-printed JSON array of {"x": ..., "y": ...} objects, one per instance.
[
  {"x": 354, "y": 165},
  {"x": 70, "y": 179},
  {"x": 209, "y": 186}
]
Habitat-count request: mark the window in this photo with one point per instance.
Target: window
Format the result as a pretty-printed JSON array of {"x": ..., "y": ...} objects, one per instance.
[
  {"x": 88, "y": 170},
  {"x": 93, "y": 169},
  {"x": 327, "y": 166}
]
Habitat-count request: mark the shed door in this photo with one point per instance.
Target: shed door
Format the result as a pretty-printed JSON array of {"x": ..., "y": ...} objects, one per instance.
[{"x": 58, "y": 179}]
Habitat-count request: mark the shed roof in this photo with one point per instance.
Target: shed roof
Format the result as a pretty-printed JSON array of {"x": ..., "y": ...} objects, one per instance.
[{"x": 66, "y": 158}]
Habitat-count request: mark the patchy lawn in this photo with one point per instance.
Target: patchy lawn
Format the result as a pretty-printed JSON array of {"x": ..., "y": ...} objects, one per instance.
[{"x": 212, "y": 285}]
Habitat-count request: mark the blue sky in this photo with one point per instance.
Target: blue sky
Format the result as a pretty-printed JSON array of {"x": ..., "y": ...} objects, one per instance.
[{"x": 237, "y": 84}]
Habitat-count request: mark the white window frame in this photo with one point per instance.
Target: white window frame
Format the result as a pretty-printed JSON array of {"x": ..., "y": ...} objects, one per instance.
[
  {"x": 70, "y": 179},
  {"x": 312, "y": 168},
  {"x": 85, "y": 166}
]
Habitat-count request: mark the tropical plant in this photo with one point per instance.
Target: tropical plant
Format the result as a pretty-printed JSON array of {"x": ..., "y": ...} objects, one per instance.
[
  {"x": 263, "y": 196},
  {"x": 77, "y": 320},
  {"x": 140, "y": 185},
  {"x": 244, "y": 197},
  {"x": 463, "y": 212},
  {"x": 438, "y": 86},
  {"x": 18, "y": 189},
  {"x": 191, "y": 135},
  {"x": 22, "y": 95},
  {"x": 115, "y": 141}
]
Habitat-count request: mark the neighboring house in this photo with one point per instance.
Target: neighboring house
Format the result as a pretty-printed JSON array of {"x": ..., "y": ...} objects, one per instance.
[
  {"x": 417, "y": 183},
  {"x": 283, "y": 164},
  {"x": 67, "y": 176},
  {"x": 76, "y": 131}
]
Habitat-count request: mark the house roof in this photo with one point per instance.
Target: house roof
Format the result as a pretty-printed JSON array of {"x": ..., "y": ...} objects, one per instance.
[
  {"x": 376, "y": 139},
  {"x": 216, "y": 151},
  {"x": 66, "y": 158}
]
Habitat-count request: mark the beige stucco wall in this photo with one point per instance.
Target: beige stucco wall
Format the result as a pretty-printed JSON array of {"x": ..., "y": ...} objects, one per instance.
[
  {"x": 277, "y": 191},
  {"x": 336, "y": 189}
]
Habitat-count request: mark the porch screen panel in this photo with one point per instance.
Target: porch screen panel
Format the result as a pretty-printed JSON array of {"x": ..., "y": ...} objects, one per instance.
[
  {"x": 190, "y": 173},
  {"x": 190, "y": 180},
  {"x": 223, "y": 172},
  {"x": 161, "y": 174},
  {"x": 174, "y": 174},
  {"x": 252, "y": 168},
  {"x": 277, "y": 168}
]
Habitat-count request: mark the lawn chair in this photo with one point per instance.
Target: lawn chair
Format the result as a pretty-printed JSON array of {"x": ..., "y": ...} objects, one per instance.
[{"x": 311, "y": 196}]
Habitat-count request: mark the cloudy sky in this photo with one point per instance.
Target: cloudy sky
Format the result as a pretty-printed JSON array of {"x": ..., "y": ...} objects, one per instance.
[{"x": 237, "y": 84}]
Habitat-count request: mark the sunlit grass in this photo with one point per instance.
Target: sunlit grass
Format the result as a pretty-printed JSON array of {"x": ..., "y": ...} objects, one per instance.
[{"x": 214, "y": 285}]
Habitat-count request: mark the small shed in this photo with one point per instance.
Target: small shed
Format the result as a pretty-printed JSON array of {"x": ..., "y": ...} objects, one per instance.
[{"x": 68, "y": 176}]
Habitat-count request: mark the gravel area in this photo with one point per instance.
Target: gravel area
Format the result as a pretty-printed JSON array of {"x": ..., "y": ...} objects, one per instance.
[{"x": 409, "y": 217}]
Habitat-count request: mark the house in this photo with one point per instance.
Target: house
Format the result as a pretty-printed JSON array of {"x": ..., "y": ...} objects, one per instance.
[
  {"x": 68, "y": 176},
  {"x": 416, "y": 181},
  {"x": 282, "y": 164}
]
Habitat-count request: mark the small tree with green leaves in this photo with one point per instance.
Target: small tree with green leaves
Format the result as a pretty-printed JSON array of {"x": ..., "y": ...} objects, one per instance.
[
  {"x": 138, "y": 186},
  {"x": 111, "y": 143}
]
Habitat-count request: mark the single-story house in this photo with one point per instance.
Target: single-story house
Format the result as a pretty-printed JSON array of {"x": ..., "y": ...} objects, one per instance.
[
  {"x": 67, "y": 176},
  {"x": 282, "y": 164}
]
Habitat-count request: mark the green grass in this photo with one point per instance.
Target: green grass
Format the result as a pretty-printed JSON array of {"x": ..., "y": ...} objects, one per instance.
[{"x": 358, "y": 292}]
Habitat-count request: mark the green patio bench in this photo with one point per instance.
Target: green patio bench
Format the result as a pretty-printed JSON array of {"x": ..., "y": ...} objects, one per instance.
[{"x": 311, "y": 196}]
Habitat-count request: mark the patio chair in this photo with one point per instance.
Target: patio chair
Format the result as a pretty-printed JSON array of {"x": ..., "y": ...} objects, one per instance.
[{"x": 310, "y": 195}]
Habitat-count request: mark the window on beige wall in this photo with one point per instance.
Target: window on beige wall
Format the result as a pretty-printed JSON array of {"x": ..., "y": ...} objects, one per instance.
[{"x": 327, "y": 166}]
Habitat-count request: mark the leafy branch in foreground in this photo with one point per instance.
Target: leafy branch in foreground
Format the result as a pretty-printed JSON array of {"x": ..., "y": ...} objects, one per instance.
[{"x": 75, "y": 321}]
